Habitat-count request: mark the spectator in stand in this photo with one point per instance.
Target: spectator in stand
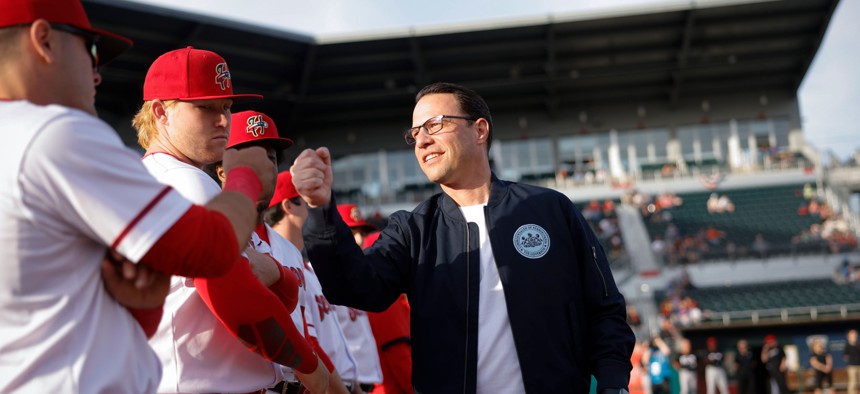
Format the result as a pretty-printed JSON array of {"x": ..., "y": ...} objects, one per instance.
[
  {"x": 713, "y": 203},
  {"x": 760, "y": 246},
  {"x": 715, "y": 372},
  {"x": 808, "y": 192},
  {"x": 633, "y": 318},
  {"x": 592, "y": 211},
  {"x": 745, "y": 363},
  {"x": 725, "y": 204},
  {"x": 822, "y": 362},
  {"x": 609, "y": 208},
  {"x": 713, "y": 236},
  {"x": 845, "y": 273},
  {"x": 659, "y": 248},
  {"x": 773, "y": 358},
  {"x": 686, "y": 363},
  {"x": 851, "y": 354}
]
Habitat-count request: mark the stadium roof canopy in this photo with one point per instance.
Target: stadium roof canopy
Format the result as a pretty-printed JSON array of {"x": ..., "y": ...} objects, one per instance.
[{"x": 553, "y": 65}]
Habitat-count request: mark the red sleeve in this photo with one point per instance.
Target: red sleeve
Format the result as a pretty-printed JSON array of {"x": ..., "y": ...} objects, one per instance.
[
  {"x": 286, "y": 288},
  {"x": 391, "y": 324},
  {"x": 396, "y": 363},
  {"x": 252, "y": 313},
  {"x": 148, "y": 319},
  {"x": 201, "y": 243},
  {"x": 321, "y": 353}
]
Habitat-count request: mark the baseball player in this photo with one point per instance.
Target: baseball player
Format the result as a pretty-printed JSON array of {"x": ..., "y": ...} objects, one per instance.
[
  {"x": 355, "y": 324},
  {"x": 71, "y": 192},
  {"x": 286, "y": 215},
  {"x": 184, "y": 124},
  {"x": 251, "y": 128}
]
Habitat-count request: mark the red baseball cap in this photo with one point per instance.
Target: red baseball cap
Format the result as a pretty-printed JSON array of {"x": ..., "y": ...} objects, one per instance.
[
  {"x": 62, "y": 12},
  {"x": 370, "y": 239},
  {"x": 256, "y": 128},
  {"x": 770, "y": 338},
  {"x": 284, "y": 189},
  {"x": 352, "y": 217},
  {"x": 191, "y": 74}
]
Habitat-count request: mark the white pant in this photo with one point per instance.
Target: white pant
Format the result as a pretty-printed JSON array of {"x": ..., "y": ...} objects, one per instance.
[
  {"x": 688, "y": 381},
  {"x": 716, "y": 377}
]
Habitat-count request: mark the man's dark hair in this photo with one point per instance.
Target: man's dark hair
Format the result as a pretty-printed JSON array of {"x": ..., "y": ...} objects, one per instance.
[
  {"x": 470, "y": 102},
  {"x": 274, "y": 215}
]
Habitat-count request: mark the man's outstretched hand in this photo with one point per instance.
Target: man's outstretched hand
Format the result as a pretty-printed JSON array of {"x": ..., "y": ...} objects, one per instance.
[{"x": 312, "y": 176}]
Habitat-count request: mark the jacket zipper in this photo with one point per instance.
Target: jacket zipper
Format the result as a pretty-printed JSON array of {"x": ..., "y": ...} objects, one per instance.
[
  {"x": 468, "y": 282},
  {"x": 599, "y": 271}
]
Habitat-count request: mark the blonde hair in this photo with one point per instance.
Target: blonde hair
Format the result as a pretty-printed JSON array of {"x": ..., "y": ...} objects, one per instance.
[{"x": 144, "y": 123}]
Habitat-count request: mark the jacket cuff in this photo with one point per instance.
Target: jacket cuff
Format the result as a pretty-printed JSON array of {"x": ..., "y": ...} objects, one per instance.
[
  {"x": 320, "y": 222},
  {"x": 610, "y": 374}
]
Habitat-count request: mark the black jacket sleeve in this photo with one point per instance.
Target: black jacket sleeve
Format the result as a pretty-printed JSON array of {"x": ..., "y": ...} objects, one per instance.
[
  {"x": 369, "y": 280},
  {"x": 610, "y": 339}
]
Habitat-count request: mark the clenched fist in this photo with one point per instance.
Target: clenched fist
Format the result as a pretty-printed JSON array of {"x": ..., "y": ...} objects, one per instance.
[{"x": 312, "y": 176}]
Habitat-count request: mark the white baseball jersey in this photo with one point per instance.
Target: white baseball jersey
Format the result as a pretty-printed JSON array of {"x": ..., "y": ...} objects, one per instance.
[
  {"x": 69, "y": 189},
  {"x": 284, "y": 252},
  {"x": 199, "y": 354},
  {"x": 329, "y": 332},
  {"x": 362, "y": 346}
]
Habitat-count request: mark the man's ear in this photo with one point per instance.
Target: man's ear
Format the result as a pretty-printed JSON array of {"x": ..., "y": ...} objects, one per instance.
[
  {"x": 219, "y": 169},
  {"x": 483, "y": 130},
  {"x": 159, "y": 112},
  {"x": 39, "y": 38}
]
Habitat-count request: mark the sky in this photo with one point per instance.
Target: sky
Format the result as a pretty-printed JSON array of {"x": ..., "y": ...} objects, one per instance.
[{"x": 829, "y": 95}]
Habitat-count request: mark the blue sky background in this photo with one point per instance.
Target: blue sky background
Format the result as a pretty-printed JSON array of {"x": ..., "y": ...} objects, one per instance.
[{"x": 829, "y": 95}]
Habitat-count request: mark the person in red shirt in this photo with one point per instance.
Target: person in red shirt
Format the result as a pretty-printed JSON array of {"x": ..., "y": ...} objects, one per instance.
[{"x": 393, "y": 341}]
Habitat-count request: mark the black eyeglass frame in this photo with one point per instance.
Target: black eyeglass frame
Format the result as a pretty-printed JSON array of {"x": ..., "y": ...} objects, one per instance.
[
  {"x": 90, "y": 38},
  {"x": 412, "y": 132}
]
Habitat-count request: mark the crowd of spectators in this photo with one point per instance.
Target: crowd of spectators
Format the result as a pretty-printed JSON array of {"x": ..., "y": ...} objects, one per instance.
[
  {"x": 604, "y": 222},
  {"x": 830, "y": 232}
]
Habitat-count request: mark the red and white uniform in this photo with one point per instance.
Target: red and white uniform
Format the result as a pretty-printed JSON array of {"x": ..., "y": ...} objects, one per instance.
[
  {"x": 198, "y": 353},
  {"x": 284, "y": 252},
  {"x": 330, "y": 334},
  {"x": 362, "y": 346},
  {"x": 60, "y": 209}
]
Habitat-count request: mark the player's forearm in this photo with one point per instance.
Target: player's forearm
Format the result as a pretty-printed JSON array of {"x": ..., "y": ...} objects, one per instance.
[
  {"x": 282, "y": 289},
  {"x": 201, "y": 243},
  {"x": 252, "y": 313}
]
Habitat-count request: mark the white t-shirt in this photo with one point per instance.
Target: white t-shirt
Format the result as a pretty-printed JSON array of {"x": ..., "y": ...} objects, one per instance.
[
  {"x": 69, "y": 189},
  {"x": 498, "y": 364},
  {"x": 329, "y": 332},
  {"x": 362, "y": 345},
  {"x": 198, "y": 353}
]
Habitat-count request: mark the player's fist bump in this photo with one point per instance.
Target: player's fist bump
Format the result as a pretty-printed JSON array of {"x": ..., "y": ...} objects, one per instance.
[
  {"x": 312, "y": 176},
  {"x": 255, "y": 158}
]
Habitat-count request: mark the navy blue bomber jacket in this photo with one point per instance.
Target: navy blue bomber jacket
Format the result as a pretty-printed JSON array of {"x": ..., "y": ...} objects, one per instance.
[{"x": 565, "y": 311}]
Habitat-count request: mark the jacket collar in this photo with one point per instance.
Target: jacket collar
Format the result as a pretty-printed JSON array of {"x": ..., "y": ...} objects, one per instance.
[{"x": 498, "y": 192}]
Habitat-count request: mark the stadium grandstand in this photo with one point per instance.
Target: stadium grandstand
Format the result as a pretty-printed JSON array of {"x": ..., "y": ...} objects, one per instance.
[{"x": 676, "y": 130}]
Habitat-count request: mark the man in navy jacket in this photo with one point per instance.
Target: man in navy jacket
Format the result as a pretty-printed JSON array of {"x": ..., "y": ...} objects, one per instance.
[{"x": 509, "y": 287}]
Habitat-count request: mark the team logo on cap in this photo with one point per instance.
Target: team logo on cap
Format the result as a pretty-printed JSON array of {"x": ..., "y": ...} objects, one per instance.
[
  {"x": 355, "y": 215},
  {"x": 222, "y": 76},
  {"x": 531, "y": 241},
  {"x": 256, "y": 126}
]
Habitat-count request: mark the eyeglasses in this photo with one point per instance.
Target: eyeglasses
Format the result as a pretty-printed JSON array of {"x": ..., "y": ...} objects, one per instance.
[
  {"x": 431, "y": 126},
  {"x": 90, "y": 39}
]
